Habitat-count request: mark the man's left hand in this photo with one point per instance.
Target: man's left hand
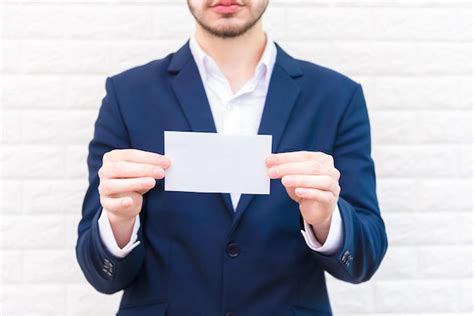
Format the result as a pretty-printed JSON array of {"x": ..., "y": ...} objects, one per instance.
[{"x": 312, "y": 181}]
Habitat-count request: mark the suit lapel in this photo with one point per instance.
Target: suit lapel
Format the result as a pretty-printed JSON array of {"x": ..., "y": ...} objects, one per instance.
[
  {"x": 190, "y": 92},
  {"x": 282, "y": 94}
]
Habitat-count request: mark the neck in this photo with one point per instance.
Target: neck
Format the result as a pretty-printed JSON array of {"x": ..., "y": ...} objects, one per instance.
[{"x": 237, "y": 57}]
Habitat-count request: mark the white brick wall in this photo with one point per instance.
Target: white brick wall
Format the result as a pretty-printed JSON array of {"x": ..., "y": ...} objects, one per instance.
[{"x": 413, "y": 58}]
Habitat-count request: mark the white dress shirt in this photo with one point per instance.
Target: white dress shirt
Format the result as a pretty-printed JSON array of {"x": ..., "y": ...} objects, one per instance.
[{"x": 233, "y": 113}]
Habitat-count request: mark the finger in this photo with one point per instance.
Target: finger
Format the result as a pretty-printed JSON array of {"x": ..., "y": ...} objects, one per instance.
[
  {"x": 311, "y": 167},
  {"x": 113, "y": 186},
  {"x": 320, "y": 182},
  {"x": 121, "y": 202},
  {"x": 137, "y": 156},
  {"x": 325, "y": 197},
  {"x": 296, "y": 156},
  {"x": 124, "y": 169}
]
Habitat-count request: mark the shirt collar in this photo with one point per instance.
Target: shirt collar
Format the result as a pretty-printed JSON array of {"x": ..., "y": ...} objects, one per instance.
[{"x": 208, "y": 67}]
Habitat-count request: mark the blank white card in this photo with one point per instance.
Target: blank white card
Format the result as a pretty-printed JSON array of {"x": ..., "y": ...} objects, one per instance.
[{"x": 213, "y": 162}]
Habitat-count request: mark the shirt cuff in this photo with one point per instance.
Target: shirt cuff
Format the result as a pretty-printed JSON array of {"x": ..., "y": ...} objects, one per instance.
[
  {"x": 334, "y": 239},
  {"x": 108, "y": 239}
]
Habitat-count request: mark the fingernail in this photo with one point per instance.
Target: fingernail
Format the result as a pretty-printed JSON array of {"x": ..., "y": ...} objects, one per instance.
[
  {"x": 287, "y": 180},
  {"x": 166, "y": 163},
  {"x": 270, "y": 160},
  {"x": 158, "y": 172},
  {"x": 272, "y": 172}
]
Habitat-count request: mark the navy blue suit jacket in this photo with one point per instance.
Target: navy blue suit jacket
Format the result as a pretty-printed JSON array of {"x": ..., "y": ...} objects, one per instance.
[{"x": 198, "y": 257}]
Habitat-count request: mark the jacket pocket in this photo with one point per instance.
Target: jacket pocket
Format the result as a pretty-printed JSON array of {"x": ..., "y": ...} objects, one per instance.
[{"x": 155, "y": 309}]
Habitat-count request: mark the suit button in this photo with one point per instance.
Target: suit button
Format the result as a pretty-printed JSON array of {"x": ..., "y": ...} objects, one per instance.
[
  {"x": 233, "y": 250},
  {"x": 108, "y": 267},
  {"x": 346, "y": 258}
]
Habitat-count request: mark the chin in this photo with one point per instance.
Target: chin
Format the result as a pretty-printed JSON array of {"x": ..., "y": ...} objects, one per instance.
[{"x": 227, "y": 23}]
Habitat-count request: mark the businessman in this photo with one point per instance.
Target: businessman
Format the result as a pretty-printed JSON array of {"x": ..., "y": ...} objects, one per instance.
[{"x": 186, "y": 253}]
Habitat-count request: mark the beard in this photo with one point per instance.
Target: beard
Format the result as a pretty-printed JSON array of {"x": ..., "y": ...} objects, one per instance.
[{"x": 229, "y": 28}]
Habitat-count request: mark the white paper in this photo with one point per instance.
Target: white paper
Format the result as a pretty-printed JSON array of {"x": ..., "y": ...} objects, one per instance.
[{"x": 213, "y": 162}]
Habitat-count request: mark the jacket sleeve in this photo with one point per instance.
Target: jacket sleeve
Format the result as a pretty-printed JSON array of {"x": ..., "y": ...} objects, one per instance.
[
  {"x": 105, "y": 272},
  {"x": 364, "y": 238}
]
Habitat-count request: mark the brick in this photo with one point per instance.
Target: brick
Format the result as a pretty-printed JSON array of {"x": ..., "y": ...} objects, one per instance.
[
  {"x": 33, "y": 21},
  {"x": 415, "y": 296},
  {"x": 444, "y": 195},
  {"x": 393, "y": 127},
  {"x": 26, "y": 232},
  {"x": 420, "y": 58},
  {"x": 411, "y": 93},
  {"x": 131, "y": 53},
  {"x": 76, "y": 162},
  {"x": 329, "y": 23},
  {"x": 400, "y": 263},
  {"x": 435, "y": 160},
  {"x": 397, "y": 195},
  {"x": 11, "y": 127},
  {"x": 64, "y": 127},
  {"x": 464, "y": 100},
  {"x": 362, "y": 297},
  {"x": 83, "y": 91},
  {"x": 10, "y": 50},
  {"x": 43, "y": 91},
  {"x": 395, "y": 161},
  {"x": 43, "y": 299},
  {"x": 12, "y": 270},
  {"x": 12, "y": 200},
  {"x": 422, "y": 24},
  {"x": 164, "y": 24},
  {"x": 465, "y": 162},
  {"x": 465, "y": 301},
  {"x": 444, "y": 127},
  {"x": 53, "y": 197},
  {"x": 36, "y": 267},
  {"x": 83, "y": 300},
  {"x": 445, "y": 262},
  {"x": 106, "y": 22},
  {"x": 60, "y": 57},
  {"x": 19, "y": 162},
  {"x": 72, "y": 221},
  {"x": 428, "y": 229}
]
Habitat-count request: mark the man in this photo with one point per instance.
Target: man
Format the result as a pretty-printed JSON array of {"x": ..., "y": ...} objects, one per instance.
[{"x": 186, "y": 253}]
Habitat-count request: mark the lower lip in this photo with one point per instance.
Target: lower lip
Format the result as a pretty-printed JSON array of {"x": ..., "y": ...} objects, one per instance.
[{"x": 226, "y": 8}]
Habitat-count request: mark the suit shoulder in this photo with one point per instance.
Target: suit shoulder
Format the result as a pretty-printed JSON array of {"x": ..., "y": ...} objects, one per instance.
[{"x": 327, "y": 77}]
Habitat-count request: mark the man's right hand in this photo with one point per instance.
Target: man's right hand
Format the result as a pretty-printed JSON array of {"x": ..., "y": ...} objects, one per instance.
[{"x": 125, "y": 175}]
